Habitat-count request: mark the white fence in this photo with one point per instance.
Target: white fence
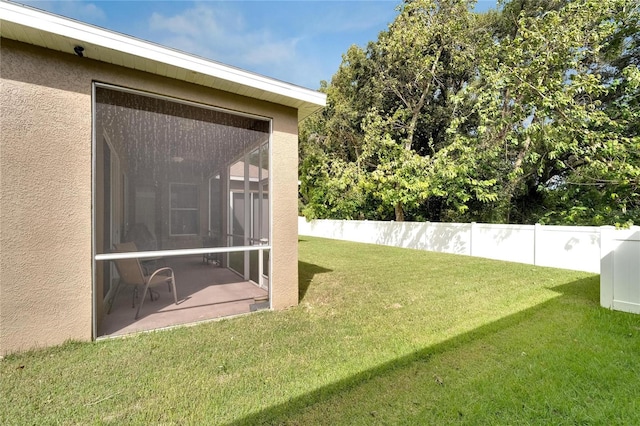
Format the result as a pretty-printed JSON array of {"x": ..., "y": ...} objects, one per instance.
[
  {"x": 615, "y": 254},
  {"x": 620, "y": 271},
  {"x": 567, "y": 247}
]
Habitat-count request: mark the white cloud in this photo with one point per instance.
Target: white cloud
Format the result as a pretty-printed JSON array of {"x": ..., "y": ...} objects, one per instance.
[
  {"x": 197, "y": 21},
  {"x": 90, "y": 11},
  {"x": 220, "y": 32},
  {"x": 264, "y": 48},
  {"x": 76, "y": 9}
]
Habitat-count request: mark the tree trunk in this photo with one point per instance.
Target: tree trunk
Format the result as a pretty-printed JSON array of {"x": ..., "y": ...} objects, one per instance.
[
  {"x": 415, "y": 114},
  {"x": 415, "y": 111},
  {"x": 399, "y": 212},
  {"x": 513, "y": 183}
]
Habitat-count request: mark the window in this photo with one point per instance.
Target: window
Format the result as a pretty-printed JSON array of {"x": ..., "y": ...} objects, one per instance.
[{"x": 184, "y": 209}]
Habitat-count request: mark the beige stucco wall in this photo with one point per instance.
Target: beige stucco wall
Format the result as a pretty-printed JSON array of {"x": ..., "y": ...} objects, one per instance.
[
  {"x": 284, "y": 180},
  {"x": 45, "y": 189}
]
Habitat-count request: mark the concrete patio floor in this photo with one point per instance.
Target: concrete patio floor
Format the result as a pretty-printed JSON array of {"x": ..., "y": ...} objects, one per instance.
[{"x": 205, "y": 291}]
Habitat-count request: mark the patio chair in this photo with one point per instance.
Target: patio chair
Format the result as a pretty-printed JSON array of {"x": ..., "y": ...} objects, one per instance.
[
  {"x": 144, "y": 240},
  {"x": 131, "y": 273}
]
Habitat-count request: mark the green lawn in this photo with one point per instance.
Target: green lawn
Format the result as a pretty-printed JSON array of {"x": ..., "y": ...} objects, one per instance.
[{"x": 381, "y": 336}]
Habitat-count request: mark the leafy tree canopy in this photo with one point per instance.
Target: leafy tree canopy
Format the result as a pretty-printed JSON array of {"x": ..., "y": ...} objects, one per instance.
[{"x": 530, "y": 113}]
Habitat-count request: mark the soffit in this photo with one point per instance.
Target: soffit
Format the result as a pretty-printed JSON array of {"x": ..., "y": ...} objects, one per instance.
[{"x": 44, "y": 29}]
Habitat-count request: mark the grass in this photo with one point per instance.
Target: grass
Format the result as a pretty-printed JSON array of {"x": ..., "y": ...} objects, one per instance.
[{"x": 381, "y": 336}]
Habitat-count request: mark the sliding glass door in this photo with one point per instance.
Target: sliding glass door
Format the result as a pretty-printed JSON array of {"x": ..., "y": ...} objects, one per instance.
[{"x": 248, "y": 185}]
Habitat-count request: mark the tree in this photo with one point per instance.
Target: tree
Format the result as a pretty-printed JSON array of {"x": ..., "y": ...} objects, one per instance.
[
  {"x": 425, "y": 57},
  {"x": 543, "y": 129},
  {"x": 389, "y": 106},
  {"x": 331, "y": 142},
  {"x": 526, "y": 114}
]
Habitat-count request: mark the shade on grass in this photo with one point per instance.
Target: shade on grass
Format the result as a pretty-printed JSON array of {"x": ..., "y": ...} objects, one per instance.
[{"x": 382, "y": 336}]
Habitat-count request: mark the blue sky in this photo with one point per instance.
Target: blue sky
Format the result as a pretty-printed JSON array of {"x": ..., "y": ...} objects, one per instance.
[{"x": 300, "y": 42}]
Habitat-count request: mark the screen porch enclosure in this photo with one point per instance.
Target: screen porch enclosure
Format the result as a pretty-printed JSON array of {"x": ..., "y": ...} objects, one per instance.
[{"x": 188, "y": 184}]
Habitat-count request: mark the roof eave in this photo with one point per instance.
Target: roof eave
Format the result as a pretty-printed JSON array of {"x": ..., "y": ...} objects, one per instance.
[{"x": 64, "y": 34}]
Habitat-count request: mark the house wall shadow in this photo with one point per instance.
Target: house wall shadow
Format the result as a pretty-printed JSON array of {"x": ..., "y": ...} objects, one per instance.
[
  {"x": 306, "y": 272},
  {"x": 585, "y": 290}
]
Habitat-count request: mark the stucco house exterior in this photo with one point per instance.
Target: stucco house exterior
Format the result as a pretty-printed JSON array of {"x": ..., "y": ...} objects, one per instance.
[{"x": 106, "y": 138}]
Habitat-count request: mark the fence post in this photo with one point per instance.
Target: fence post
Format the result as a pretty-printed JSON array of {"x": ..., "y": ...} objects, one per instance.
[
  {"x": 537, "y": 229},
  {"x": 606, "y": 266}
]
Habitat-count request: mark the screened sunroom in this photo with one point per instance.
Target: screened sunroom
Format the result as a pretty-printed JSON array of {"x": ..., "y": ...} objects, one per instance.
[
  {"x": 128, "y": 163},
  {"x": 183, "y": 187}
]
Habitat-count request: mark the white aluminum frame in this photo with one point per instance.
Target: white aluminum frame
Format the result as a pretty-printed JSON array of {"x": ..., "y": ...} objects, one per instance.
[{"x": 168, "y": 253}]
